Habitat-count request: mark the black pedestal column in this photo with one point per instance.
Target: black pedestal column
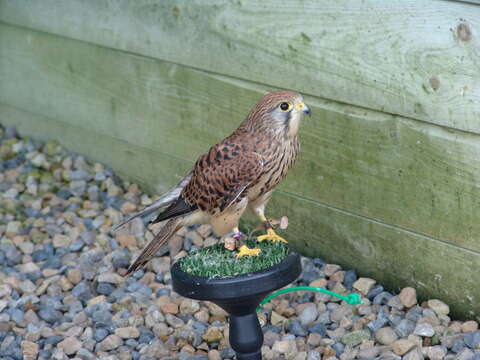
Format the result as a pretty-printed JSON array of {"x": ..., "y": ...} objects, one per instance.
[{"x": 240, "y": 296}]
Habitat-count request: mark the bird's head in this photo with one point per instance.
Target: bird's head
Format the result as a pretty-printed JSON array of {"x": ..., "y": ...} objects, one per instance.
[{"x": 278, "y": 111}]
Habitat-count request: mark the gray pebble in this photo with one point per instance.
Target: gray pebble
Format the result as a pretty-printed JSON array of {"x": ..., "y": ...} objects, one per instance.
[
  {"x": 82, "y": 291},
  {"x": 100, "y": 334},
  {"x": 64, "y": 194},
  {"x": 341, "y": 312},
  {"x": 121, "y": 260},
  {"x": 146, "y": 337},
  {"x": 84, "y": 354},
  {"x": 424, "y": 329},
  {"x": 50, "y": 315},
  {"x": 40, "y": 255},
  {"x": 78, "y": 187},
  {"x": 16, "y": 315},
  {"x": 314, "y": 355},
  {"x": 414, "y": 314},
  {"x": 350, "y": 277},
  {"x": 105, "y": 288},
  {"x": 318, "y": 328},
  {"x": 380, "y": 322},
  {"x": 458, "y": 346},
  {"x": 308, "y": 315},
  {"x": 227, "y": 353},
  {"x": 79, "y": 175},
  {"x": 140, "y": 288},
  {"x": 309, "y": 276},
  {"x": 465, "y": 354},
  {"x": 472, "y": 340},
  {"x": 296, "y": 328},
  {"x": 405, "y": 327},
  {"x": 382, "y": 298},
  {"x": 449, "y": 340},
  {"x": 12, "y": 255},
  {"x": 395, "y": 303},
  {"x": 375, "y": 291},
  {"x": 88, "y": 237},
  {"x": 339, "y": 348},
  {"x": 102, "y": 318},
  {"x": 45, "y": 354},
  {"x": 77, "y": 245},
  {"x": 324, "y": 318},
  {"x": 92, "y": 257},
  {"x": 53, "y": 340},
  {"x": 100, "y": 176}
]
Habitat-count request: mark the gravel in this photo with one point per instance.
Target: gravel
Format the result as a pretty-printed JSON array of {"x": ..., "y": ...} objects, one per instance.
[{"x": 63, "y": 293}]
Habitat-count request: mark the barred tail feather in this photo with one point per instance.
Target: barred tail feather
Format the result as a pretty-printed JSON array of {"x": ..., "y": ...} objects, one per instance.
[
  {"x": 165, "y": 233},
  {"x": 162, "y": 202}
]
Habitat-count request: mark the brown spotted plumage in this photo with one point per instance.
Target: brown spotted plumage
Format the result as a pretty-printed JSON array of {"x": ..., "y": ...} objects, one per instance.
[{"x": 236, "y": 174}]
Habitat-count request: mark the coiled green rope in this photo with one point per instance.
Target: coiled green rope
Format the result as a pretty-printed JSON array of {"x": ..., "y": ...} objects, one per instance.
[{"x": 351, "y": 299}]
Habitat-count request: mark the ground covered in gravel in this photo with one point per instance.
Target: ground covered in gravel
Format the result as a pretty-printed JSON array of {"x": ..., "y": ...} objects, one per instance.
[{"x": 63, "y": 294}]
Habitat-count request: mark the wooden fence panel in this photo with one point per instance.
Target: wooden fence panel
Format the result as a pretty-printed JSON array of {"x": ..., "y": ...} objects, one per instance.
[{"x": 416, "y": 58}]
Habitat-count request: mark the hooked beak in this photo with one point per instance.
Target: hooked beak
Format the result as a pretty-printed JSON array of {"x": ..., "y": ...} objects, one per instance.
[{"x": 304, "y": 108}]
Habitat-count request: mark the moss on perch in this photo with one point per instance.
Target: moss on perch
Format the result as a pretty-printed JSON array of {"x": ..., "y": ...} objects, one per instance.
[{"x": 216, "y": 261}]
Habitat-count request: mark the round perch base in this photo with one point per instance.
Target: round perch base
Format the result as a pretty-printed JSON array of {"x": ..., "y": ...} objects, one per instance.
[{"x": 239, "y": 296}]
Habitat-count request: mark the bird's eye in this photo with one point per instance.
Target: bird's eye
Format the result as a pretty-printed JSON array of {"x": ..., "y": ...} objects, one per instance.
[{"x": 285, "y": 106}]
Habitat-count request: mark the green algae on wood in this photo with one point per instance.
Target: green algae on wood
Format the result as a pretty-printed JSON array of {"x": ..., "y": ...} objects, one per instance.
[{"x": 377, "y": 55}]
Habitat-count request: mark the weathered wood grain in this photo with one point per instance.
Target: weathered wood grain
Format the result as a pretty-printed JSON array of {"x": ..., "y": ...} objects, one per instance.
[
  {"x": 407, "y": 173},
  {"x": 393, "y": 256},
  {"x": 416, "y": 58}
]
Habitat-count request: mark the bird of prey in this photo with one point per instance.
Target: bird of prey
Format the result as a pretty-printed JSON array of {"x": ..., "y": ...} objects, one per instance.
[{"x": 237, "y": 174}]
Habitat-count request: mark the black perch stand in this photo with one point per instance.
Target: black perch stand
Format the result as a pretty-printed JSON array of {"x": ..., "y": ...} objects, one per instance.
[{"x": 240, "y": 296}]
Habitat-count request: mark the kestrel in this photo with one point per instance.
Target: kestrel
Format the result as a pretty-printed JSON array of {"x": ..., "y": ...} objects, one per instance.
[{"x": 236, "y": 174}]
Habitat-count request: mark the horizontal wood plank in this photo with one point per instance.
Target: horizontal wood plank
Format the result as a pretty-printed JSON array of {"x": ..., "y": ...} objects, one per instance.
[
  {"x": 394, "y": 257},
  {"x": 416, "y": 58},
  {"x": 407, "y": 173}
]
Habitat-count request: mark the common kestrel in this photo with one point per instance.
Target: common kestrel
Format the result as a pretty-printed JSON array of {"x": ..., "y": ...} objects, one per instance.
[{"x": 238, "y": 173}]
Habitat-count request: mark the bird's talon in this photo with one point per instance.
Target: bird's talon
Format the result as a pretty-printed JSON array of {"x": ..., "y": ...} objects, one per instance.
[
  {"x": 244, "y": 250},
  {"x": 271, "y": 236}
]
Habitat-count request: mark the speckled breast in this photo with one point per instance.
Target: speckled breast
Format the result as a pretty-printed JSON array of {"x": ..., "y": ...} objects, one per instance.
[{"x": 276, "y": 166}]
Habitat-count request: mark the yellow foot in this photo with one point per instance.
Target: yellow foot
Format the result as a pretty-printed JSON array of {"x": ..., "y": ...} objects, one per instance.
[
  {"x": 244, "y": 250},
  {"x": 271, "y": 236}
]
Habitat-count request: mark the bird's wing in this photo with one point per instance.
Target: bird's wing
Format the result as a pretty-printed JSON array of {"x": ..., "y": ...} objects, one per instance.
[
  {"x": 166, "y": 199},
  {"x": 178, "y": 208},
  {"x": 221, "y": 176}
]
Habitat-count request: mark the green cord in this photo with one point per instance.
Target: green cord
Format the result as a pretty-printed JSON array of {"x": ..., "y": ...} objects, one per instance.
[{"x": 351, "y": 299}]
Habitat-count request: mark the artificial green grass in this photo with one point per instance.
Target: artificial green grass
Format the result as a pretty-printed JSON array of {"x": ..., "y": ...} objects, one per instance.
[{"x": 216, "y": 262}]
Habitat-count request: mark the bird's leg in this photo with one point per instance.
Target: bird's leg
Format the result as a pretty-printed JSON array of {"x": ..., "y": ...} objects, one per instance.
[
  {"x": 244, "y": 250},
  {"x": 271, "y": 235}
]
